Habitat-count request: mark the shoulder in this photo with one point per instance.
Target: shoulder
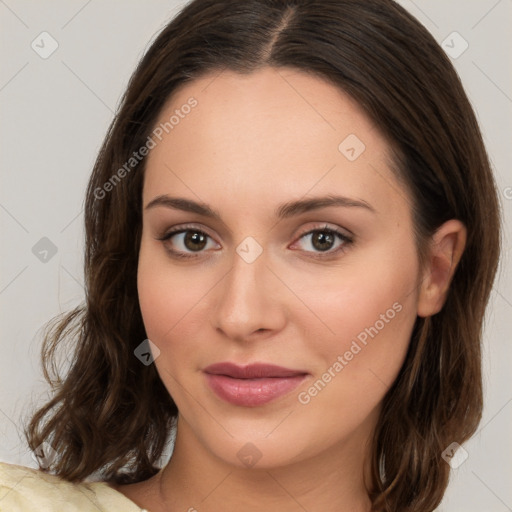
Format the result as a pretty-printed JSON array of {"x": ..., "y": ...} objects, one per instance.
[{"x": 24, "y": 489}]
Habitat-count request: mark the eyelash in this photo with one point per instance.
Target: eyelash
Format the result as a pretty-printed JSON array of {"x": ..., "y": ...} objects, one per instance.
[{"x": 347, "y": 241}]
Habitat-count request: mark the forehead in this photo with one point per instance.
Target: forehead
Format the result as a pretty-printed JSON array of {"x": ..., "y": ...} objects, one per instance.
[
  {"x": 251, "y": 110},
  {"x": 271, "y": 135}
]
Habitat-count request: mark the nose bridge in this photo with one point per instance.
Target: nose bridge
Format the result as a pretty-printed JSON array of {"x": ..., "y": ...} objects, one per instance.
[
  {"x": 244, "y": 284},
  {"x": 246, "y": 304}
]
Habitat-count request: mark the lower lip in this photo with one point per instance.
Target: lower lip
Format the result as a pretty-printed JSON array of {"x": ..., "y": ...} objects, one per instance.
[{"x": 252, "y": 392}]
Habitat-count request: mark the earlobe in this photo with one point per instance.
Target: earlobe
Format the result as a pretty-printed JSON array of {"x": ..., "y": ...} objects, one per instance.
[{"x": 446, "y": 249}]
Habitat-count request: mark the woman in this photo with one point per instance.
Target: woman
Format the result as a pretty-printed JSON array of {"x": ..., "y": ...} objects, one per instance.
[{"x": 292, "y": 234}]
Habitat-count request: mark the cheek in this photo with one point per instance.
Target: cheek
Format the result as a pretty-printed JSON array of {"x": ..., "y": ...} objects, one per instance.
[
  {"x": 165, "y": 295},
  {"x": 168, "y": 305},
  {"x": 370, "y": 310},
  {"x": 368, "y": 287}
]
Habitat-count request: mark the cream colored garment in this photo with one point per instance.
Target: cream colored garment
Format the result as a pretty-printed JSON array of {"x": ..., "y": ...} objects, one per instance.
[{"x": 28, "y": 490}]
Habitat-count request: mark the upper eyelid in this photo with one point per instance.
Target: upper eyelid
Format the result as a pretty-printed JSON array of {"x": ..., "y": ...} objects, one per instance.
[
  {"x": 183, "y": 228},
  {"x": 324, "y": 226}
]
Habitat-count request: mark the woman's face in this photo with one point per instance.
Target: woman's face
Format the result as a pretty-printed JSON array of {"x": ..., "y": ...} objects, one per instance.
[{"x": 294, "y": 247}]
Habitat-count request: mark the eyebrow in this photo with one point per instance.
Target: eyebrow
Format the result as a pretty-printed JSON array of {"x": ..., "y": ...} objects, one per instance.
[{"x": 286, "y": 210}]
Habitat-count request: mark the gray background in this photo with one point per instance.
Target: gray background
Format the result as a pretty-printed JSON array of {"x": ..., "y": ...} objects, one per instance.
[{"x": 55, "y": 112}]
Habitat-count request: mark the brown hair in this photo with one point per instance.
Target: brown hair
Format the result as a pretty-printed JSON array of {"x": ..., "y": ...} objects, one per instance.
[{"x": 113, "y": 415}]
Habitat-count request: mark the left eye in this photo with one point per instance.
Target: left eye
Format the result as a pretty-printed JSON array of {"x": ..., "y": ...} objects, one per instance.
[{"x": 324, "y": 240}]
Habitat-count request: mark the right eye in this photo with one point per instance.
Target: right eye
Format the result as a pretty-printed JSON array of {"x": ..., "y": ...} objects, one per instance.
[{"x": 184, "y": 242}]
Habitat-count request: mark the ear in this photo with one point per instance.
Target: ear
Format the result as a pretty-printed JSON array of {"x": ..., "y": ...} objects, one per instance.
[{"x": 446, "y": 248}]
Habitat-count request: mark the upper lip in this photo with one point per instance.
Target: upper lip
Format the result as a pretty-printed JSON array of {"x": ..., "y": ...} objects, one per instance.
[{"x": 251, "y": 371}]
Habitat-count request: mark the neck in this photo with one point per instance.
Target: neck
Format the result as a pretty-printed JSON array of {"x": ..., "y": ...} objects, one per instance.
[{"x": 195, "y": 479}]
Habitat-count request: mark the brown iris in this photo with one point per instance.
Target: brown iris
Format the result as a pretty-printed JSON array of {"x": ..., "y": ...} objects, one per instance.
[
  {"x": 322, "y": 240},
  {"x": 195, "y": 240}
]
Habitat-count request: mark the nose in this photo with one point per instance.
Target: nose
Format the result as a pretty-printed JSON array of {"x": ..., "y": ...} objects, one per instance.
[{"x": 250, "y": 304}]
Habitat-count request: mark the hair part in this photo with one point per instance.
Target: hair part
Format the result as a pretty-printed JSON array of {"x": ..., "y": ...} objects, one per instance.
[{"x": 100, "y": 417}]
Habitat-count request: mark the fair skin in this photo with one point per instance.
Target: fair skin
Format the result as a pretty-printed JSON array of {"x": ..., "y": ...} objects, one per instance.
[{"x": 252, "y": 144}]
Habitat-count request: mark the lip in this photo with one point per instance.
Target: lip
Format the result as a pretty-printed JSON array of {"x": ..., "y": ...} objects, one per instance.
[{"x": 252, "y": 385}]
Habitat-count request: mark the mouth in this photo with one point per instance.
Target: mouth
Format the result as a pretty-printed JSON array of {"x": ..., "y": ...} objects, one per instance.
[{"x": 252, "y": 385}]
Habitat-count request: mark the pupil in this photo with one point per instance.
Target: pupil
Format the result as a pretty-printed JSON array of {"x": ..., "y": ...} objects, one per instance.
[
  {"x": 323, "y": 240},
  {"x": 195, "y": 241}
]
